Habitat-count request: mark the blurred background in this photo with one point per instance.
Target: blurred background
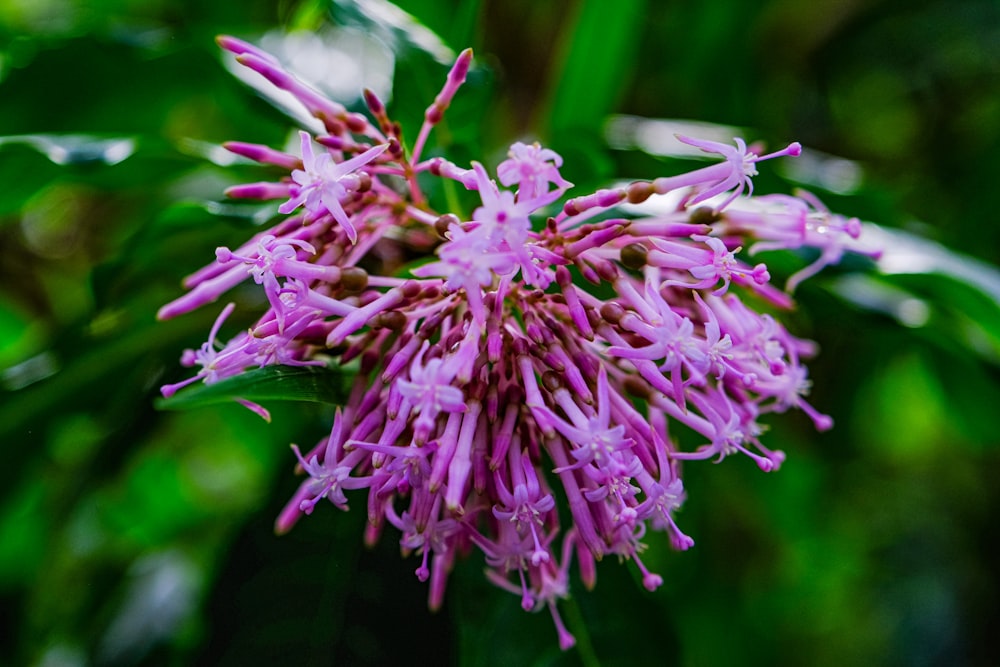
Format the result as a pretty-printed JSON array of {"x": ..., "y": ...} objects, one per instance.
[{"x": 133, "y": 536}]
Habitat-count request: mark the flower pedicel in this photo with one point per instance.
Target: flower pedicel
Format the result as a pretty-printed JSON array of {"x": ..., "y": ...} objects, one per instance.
[{"x": 493, "y": 383}]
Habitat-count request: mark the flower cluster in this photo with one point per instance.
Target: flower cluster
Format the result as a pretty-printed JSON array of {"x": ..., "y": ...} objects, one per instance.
[{"x": 546, "y": 355}]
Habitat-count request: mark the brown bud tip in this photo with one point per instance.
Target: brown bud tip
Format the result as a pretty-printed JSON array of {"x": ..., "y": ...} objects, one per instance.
[
  {"x": 364, "y": 181},
  {"x": 442, "y": 224},
  {"x": 612, "y": 312},
  {"x": 353, "y": 279},
  {"x": 633, "y": 256},
  {"x": 703, "y": 215},
  {"x": 638, "y": 192},
  {"x": 551, "y": 380},
  {"x": 392, "y": 319},
  {"x": 410, "y": 289}
]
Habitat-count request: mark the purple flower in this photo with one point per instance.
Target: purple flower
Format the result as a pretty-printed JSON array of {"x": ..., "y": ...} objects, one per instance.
[
  {"x": 783, "y": 222},
  {"x": 742, "y": 165},
  {"x": 322, "y": 184},
  {"x": 491, "y": 379},
  {"x": 532, "y": 168},
  {"x": 594, "y": 440},
  {"x": 215, "y": 364},
  {"x": 430, "y": 392},
  {"x": 329, "y": 478},
  {"x": 526, "y": 506}
]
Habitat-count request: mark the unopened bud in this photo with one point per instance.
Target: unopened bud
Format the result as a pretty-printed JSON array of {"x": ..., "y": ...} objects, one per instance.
[
  {"x": 612, "y": 312},
  {"x": 633, "y": 256},
  {"x": 442, "y": 224},
  {"x": 392, "y": 319},
  {"x": 703, "y": 215},
  {"x": 373, "y": 102},
  {"x": 353, "y": 278},
  {"x": 638, "y": 192}
]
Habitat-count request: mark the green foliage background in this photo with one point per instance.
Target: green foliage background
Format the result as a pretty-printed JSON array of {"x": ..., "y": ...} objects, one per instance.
[{"x": 133, "y": 536}]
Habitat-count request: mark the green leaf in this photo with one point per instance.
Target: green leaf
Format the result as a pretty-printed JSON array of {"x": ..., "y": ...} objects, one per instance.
[
  {"x": 591, "y": 79},
  {"x": 401, "y": 31},
  {"x": 63, "y": 149},
  {"x": 926, "y": 286},
  {"x": 272, "y": 383},
  {"x": 456, "y": 25}
]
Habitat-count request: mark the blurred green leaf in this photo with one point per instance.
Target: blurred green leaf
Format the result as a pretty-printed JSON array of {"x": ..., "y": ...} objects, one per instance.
[
  {"x": 23, "y": 172},
  {"x": 272, "y": 383},
  {"x": 455, "y": 27},
  {"x": 401, "y": 31},
  {"x": 590, "y": 79},
  {"x": 63, "y": 149},
  {"x": 587, "y": 82},
  {"x": 925, "y": 285}
]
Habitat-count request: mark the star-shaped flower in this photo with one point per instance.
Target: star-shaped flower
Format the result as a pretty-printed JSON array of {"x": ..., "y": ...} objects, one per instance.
[{"x": 322, "y": 183}]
